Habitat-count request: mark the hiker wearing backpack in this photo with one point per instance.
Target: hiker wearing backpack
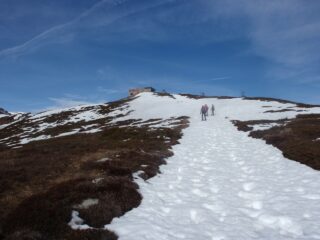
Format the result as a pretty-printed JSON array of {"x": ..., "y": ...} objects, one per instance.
[{"x": 204, "y": 112}]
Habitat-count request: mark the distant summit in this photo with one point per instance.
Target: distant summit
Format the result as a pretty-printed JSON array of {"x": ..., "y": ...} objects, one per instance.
[{"x": 3, "y": 111}]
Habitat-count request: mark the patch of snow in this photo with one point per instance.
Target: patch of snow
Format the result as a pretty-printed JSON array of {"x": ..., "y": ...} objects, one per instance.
[
  {"x": 44, "y": 126},
  {"x": 97, "y": 180},
  {"x": 87, "y": 203},
  {"x": 264, "y": 126},
  {"x": 94, "y": 130},
  {"x": 16, "y": 118},
  {"x": 19, "y": 115},
  {"x": 86, "y": 116},
  {"x": 27, "y": 140},
  {"x": 90, "y": 126},
  {"x": 137, "y": 173},
  {"x": 75, "y": 131},
  {"x": 76, "y": 223},
  {"x": 5, "y": 125},
  {"x": 103, "y": 159},
  {"x": 44, "y": 114},
  {"x": 46, "y": 137}
]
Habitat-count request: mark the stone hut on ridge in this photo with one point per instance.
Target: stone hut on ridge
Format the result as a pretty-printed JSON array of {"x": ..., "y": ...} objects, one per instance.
[{"x": 135, "y": 91}]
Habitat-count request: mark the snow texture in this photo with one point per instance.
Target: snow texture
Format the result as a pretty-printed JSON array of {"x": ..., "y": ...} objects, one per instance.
[{"x": 220, "y": 183}]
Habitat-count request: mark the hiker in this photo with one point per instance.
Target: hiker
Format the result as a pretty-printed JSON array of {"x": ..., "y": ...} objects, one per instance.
[
  {"x": 212, "y": 110},
  {"x": 203, "y": 113}
]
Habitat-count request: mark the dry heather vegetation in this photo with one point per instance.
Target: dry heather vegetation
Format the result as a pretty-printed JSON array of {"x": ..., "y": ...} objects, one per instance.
[
  {"x": 42, "y": 182},
  {"x": 296, "y": 138}
]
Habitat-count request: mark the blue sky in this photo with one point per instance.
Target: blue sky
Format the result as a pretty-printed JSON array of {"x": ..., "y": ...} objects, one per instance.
[{"x": 67, "y": 52}]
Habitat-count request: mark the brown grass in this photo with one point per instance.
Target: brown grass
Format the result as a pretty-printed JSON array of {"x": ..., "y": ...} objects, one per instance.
[
  {"x": 247, "y": 125},
  {"x": 6, "y": 120},
  {"x": 42, "y": 182},
  {"x": 281, "y": 110}
]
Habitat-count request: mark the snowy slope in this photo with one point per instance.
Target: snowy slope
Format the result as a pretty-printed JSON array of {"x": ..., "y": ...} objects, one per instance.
[
  {"x": 221, "y": 184},
  {"x": 59, "y": 122},
  {"x": 148, "y": 106},
  {"x": 162, "y": 109}
]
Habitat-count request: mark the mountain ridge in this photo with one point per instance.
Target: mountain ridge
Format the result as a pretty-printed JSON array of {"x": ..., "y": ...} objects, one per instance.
[{"x": 63, "y": 157}]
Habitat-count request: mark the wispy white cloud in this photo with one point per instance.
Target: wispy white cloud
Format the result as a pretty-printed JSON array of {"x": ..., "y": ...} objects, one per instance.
[
  {"x": 100, "y": 14},
  {"x": 51, "y": 34},
  {"x": 285, "y": 32}
]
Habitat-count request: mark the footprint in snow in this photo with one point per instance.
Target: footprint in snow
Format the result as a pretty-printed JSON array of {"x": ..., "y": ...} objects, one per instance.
[
  {"x": 250, "y": 196},
  {"x": 251, "y": 213},
  {"x": 248, "y": 186},
  {"x": 257, "y": 205},
  {"x": 312, "y": 196},
  {"x": 247, "y": 170},
  {"x": 218, "y": 237},
  {"x": 165, "y": 210},
  {"x": 214, "y": 208},
  {"x": 179, "y": 178},
  {"x": 240, "y": 163},
  {"x": 199, "y": 193},
  {"x": 214, "y": 189},
  {"x": 206, "y": 168},
  {"x": 284, "y": 224},
  {"x": 196, "y": 217}
]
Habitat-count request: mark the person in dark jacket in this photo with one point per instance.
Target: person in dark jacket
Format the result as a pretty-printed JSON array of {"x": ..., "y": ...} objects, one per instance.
[{"x": 204, "y": 112}]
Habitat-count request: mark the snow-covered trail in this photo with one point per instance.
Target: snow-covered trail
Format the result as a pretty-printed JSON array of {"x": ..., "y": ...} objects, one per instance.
[{"x": 221, "y": 184}]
